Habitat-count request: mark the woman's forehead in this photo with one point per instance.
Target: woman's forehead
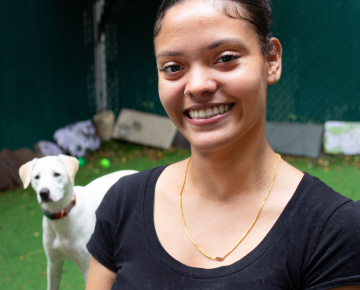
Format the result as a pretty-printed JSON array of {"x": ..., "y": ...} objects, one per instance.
[
  {"x": 201, "y": 22},
  {"x": 199, "y": 9}
]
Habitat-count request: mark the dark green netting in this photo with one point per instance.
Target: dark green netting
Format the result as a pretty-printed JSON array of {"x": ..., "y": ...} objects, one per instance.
[
  {"x": 131, "y": 67},
  {"x": 320, "y": 62},
  {"x": 321, "y": 71},
  {"x": 45, "y": 68}
]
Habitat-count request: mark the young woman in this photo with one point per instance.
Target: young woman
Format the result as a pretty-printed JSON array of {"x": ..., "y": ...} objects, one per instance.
[{"x": 246, "y": 219}]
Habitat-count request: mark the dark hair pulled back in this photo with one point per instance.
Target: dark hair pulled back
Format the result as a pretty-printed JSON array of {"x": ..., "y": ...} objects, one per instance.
[{"x": 256, "y": 12}]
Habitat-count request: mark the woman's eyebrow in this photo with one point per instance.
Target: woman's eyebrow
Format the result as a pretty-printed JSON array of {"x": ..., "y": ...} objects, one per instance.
[
  {"x": 211, "y": 46},
  {"x": 168, "y": 53},
  {"x": 229, "y": 40}
]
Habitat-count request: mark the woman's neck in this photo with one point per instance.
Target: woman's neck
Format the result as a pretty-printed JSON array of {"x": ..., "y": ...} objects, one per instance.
[{"x": 242, "y": 170}]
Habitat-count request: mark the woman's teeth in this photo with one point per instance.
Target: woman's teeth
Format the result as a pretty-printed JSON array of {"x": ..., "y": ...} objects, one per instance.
[{"x": 209, "y": 112}]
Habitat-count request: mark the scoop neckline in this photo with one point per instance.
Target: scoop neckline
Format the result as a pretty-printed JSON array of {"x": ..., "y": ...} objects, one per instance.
[{"x": 170, "y": 262}]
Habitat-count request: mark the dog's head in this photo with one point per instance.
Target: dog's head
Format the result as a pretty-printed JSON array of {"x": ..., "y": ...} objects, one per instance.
[{"x": 51, "y": 177}]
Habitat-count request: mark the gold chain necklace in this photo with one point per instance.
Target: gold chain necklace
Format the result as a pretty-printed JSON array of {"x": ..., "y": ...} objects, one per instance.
[{"x": 187, "y": 231}]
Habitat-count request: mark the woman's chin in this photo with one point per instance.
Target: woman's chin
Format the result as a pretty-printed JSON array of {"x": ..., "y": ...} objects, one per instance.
[{"x": 211, "y": 143}]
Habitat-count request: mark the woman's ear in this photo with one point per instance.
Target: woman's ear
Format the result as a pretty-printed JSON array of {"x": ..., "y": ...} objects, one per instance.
[{"x": 273, "y": 60}]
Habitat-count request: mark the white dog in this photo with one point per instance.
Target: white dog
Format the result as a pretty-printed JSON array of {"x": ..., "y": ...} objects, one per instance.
[{"x": 69, "y": 212}]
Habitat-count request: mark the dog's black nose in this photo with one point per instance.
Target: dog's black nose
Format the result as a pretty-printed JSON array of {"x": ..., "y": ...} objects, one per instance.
[{"x": 44, "y": 193}]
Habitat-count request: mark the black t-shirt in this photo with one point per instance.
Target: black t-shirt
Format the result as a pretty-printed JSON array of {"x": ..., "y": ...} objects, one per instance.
[{"x": 315, "y": 243}]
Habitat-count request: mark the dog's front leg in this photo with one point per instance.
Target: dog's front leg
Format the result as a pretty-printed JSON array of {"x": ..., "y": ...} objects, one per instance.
[
  {"x": 82, "y": 259},
  {"x": 54, "y": 271}
]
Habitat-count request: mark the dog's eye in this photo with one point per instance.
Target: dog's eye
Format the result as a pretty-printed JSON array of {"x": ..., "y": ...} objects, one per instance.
[
  {"x": 56, "y": 174},
  {"x": 37, "y": 177}
]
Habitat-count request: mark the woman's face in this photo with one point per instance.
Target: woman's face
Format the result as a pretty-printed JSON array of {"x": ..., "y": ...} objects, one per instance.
[{"x": 218, "y": 60}]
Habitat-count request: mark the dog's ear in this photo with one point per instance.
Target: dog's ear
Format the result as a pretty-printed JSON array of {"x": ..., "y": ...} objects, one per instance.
[
  {"x": 71, "y": 165},
  {"x": 25, "y": 172}
]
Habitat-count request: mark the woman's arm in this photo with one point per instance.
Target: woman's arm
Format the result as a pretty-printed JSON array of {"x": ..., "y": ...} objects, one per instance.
[{"x": 99, "y": 277}]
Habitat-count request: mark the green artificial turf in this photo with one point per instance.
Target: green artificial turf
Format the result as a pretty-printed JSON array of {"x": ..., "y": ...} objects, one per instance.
[
  {"x": 22, "y": 258},
  {"x": 342, "y": 173}
]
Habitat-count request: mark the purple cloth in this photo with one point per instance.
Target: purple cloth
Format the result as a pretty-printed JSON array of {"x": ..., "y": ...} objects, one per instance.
[{"x": 78, "y": 139}]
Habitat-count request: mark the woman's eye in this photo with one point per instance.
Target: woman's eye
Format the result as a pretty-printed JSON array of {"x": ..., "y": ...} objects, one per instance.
[
  {"x": 227, "y": 58},
  {"x": 171, "y": 68}
]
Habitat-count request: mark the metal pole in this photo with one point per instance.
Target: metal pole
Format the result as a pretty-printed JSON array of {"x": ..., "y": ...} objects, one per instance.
[{"x": 100, "y": 57}]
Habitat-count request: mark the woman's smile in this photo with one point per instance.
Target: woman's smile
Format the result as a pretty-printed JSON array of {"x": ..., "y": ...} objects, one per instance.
[
  {"x": 209, "y": 114},
  {"x": 209, "y": 111}
]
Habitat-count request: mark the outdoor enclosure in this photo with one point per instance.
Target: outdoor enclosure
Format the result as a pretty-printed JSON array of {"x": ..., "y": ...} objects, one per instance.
[
  {"x": 47, "y": 71},
  {"x": 46, "y": 68}
]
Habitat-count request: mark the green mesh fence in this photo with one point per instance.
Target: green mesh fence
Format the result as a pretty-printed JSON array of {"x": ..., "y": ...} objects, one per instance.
[
  {"x": 131, "y": 67},
  {"x": 320, "y": 60},
  {"x": 47, "y": 63},
  {"x": 46, "y": 68},
  {"x": 320, "y": 79}
]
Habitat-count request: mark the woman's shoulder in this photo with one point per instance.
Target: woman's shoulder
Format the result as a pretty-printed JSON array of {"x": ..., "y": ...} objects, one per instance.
[
  {"x": 320, "y": 195},
  {"x": 330, "y": 226},
  {"x": 319, "y": 210},
  {"x": 323, "y": 230}
]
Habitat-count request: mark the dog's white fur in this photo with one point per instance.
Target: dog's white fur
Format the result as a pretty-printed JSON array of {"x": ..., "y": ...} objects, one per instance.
[{"x": 66, "y": 239}]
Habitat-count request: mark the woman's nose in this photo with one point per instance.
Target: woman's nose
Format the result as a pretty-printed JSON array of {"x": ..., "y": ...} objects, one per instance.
[{"x": 200, "y": 83}]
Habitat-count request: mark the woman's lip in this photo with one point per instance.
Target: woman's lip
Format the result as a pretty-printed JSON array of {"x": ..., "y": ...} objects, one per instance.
[
  {"x": 206, "y": 106},
  {"x": 210, "y": 120}
]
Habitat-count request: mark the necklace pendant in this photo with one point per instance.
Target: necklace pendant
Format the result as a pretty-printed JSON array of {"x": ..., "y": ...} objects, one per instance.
[{"x": 219, "y": 259}]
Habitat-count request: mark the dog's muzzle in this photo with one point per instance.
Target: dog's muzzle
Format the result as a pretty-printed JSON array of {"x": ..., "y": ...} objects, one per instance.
[{"x": 45, "y": 195}]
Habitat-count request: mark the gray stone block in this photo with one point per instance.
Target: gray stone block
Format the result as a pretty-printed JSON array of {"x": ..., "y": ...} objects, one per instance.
[
  {"x": 295, "y": 138},
  {"x": 104, "y": 124},
  {"x": 144, "y": 128}
]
